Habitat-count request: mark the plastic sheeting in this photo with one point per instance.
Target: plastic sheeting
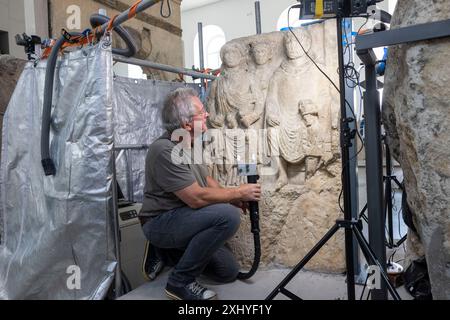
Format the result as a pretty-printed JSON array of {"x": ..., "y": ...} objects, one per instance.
[
  {"x": 57, "y": 234},
  {"x": 137, "y": 121}
]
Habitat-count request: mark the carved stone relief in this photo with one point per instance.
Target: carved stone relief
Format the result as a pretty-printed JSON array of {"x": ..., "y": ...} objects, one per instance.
[{"x": 272, "y": 106}]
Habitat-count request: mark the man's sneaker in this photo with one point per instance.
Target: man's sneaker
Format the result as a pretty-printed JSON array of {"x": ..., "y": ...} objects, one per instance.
[
  {"x": 152, "y": 264},
  {"x": 192, "y": 291}
]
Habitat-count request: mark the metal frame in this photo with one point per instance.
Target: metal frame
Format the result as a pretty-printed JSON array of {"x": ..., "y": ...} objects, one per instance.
[
  {"x": 163, "y": 67},
  {"x": 201, "y": 55},
  {"x": 115, "y": 204},
  {"x": 372, "y": 107},
  {"x": 354, "y": 202},
  {"x": 258, "y": 17}
]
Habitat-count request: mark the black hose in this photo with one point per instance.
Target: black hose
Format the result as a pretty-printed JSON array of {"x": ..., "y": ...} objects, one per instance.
[
  {"x": 254, "y": 220},
  {"x": 131, "y": 49},
  {"x": 255, "y": 265},
  {"x": 47, "y": 162}
]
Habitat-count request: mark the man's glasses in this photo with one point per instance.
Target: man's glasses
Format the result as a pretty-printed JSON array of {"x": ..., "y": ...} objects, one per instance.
[{"x": 202, "y": 114}]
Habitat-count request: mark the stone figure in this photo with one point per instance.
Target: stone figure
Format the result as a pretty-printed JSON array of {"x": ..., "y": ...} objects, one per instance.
[
  {"x": 298, "y": 133},
  {"x": 261, "y": 52},
  {"x": 230, "y": 93}
]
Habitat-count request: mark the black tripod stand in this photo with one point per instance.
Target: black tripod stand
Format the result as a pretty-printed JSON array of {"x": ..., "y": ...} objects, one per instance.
[
  {"x": 388, "y": 179},
  {"x": 352, "y": 226}
]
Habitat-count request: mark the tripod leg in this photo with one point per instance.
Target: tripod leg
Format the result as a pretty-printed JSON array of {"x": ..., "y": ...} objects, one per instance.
[
  {"x": 388, "y": 212},
  {"x": 302, "y": 263},
  {"x": 401, "y": 240},
  {"x": 399, "y": 185},
  {"x": 388, "y": 195},
  {"x": 362, "y": 213},
  {"x": 370, "y": 256}
]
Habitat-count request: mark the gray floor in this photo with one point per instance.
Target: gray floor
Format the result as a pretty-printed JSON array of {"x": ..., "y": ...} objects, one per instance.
[{"x": 307, "y": 285}]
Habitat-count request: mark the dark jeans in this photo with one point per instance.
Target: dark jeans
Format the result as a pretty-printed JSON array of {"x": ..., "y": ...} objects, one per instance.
[{"x": 201, "y": 234}]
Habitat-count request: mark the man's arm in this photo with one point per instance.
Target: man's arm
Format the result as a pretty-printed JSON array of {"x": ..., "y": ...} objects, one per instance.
[
  {"x": 197, "y": 197},
  {"x": 212, "y": 183}
]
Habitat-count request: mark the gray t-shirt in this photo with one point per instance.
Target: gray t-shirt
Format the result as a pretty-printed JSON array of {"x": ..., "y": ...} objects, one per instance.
[{"x": 164, "y": 177}]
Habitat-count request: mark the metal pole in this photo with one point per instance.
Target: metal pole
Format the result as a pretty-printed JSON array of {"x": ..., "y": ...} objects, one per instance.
[
  {"x": 129, "y": 175},
  {"x": 118, "y": 278},
  {"x": 348, "y": 58},
  {"x": 131, "y": 147},
  {"x": 374, "y": 174},
  {"x": 124, "y": 16},
  {"x": 163, "y": 67},
  {"x": 388, "y": 195},
  {"x": 258, "y": 17},
  {"x": 346, "y": 183},
  {"x": 202, "y": 58}
]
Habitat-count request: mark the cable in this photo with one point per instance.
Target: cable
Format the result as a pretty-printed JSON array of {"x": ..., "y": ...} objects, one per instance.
[
  {"x": 161, "y": 10},
  {"x": 306, "y": 53},
  {"x": 365, "y": 285}
]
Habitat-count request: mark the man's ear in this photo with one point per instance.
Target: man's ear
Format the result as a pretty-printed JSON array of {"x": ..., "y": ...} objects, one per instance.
[{"x": 187, "y": 127}]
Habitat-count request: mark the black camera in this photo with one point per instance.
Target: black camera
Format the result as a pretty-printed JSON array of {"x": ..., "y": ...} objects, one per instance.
[
  {"x": 325, "y": 9},
  {"x": 29, "y": 43}
]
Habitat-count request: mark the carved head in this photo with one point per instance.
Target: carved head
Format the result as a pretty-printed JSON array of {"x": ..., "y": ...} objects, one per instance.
[
  {"x": 293, "y": 48},
  {"x": 261, "y": 52},
  {"x": 232, "y": 54}
]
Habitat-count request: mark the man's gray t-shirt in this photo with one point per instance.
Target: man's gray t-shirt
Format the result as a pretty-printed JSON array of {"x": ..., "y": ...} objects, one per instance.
[{"x": 163, "y": 177}]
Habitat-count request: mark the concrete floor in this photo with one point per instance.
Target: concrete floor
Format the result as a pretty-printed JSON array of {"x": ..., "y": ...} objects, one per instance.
[{"x": 307, "y": 285}]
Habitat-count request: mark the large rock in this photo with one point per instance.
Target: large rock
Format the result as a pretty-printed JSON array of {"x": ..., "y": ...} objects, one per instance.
[
  {"x": 417, "y": 117},
  {"x": 268, "y": 87},
  {"x": 10, "y": 71}
]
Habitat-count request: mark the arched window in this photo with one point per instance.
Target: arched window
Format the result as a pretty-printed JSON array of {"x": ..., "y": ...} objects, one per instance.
[
  {"x": 213, "y": 40},
  {"x": 294, "y": 20}
]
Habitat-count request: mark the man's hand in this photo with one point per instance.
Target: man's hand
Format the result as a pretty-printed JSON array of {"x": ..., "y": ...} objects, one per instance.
[
  {"x": 241, "y": 205},
  {"x": 250, "y": 192}
]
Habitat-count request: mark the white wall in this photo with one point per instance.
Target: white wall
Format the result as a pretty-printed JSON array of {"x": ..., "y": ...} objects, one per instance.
[
  {"x": 12, "y": 20},
  {"x": 19, "y": 16},
  {"x": 235, "y": 17}
]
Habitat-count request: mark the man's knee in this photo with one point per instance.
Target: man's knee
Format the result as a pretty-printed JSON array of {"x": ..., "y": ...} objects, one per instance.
[
  {"x": 230, "y": 274},
  {"x": 228, "y": 215}
]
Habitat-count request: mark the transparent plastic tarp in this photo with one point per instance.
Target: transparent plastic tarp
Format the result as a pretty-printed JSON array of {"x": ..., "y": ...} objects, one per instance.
[{"x": 57, "y": 232}]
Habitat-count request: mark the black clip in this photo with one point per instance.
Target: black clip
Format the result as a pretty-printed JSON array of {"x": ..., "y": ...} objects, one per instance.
[{"x": 67, "y": 36}]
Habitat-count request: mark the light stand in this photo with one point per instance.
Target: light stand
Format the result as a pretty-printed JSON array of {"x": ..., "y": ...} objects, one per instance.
[
  {"x": 388, "y": 179},
  {"x": 387, "y": 205},
  {"x": 351, "y": 226}
]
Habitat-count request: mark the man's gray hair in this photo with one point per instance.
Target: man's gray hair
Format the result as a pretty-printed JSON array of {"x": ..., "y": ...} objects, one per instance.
[{"x": 178, "y": 108}]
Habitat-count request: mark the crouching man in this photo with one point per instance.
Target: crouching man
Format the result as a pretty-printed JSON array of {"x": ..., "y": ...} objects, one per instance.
[{"x": 186, "y": 209}]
